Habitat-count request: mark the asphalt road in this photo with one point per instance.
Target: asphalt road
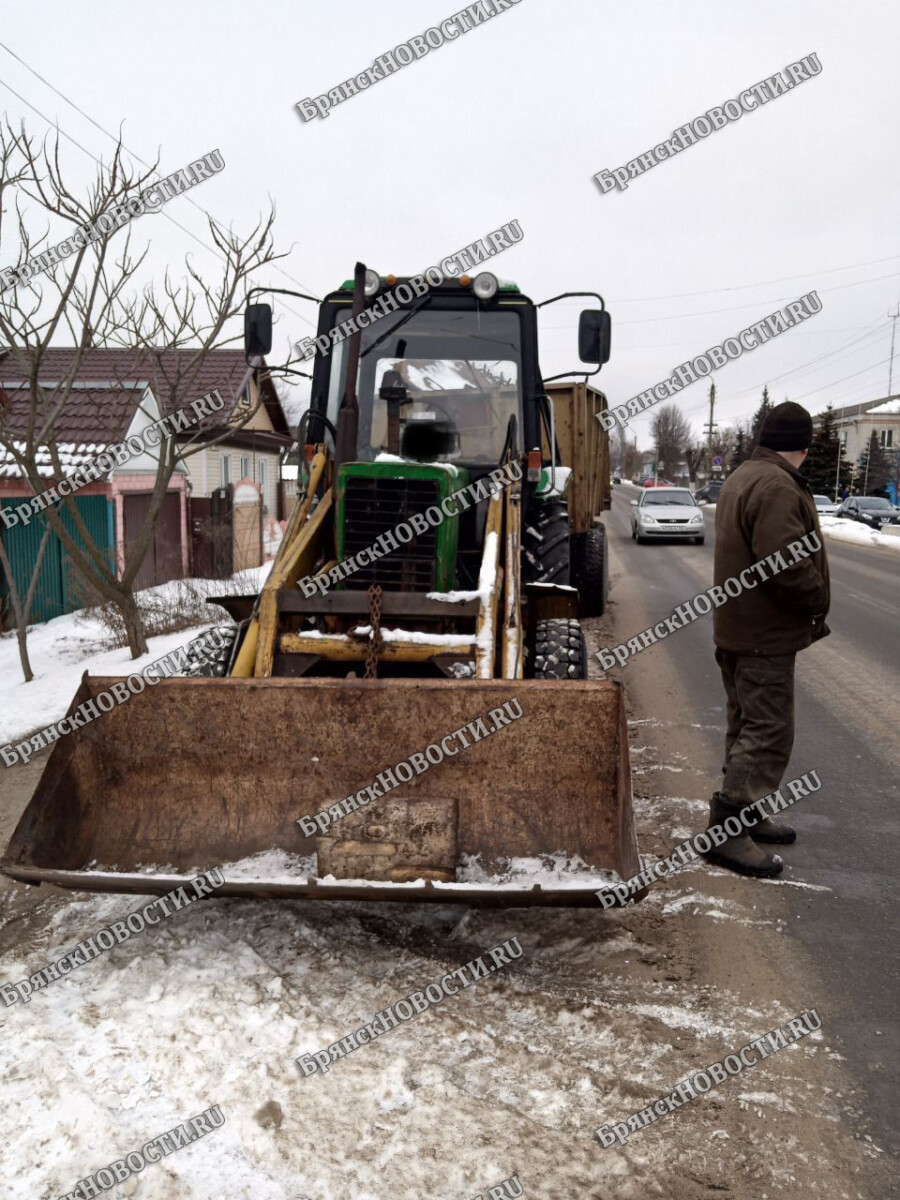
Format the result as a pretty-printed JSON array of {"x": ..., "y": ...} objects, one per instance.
[{"x": 847, "y": 729}]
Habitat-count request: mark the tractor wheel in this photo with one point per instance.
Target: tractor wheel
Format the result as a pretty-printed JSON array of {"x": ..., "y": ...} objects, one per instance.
[
  {"x": 545, "y": 542},
  {"x": 211, "y": 664},
  {"x": 590, "y": 571},
  {"x": 559, "y": 651}
]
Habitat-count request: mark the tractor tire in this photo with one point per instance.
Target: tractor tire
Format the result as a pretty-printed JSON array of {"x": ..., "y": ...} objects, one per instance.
[
  {"x": 558, "y": 651},
  {"x": 590, "y": 571},
  {"x": 204, "y": 664},
  {"x": 545, "y": 542}
]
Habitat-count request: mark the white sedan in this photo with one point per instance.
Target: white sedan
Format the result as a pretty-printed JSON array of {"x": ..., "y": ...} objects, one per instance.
[
  {"x": 825, "y": 506},
  {"x": 666, "y": 512}
]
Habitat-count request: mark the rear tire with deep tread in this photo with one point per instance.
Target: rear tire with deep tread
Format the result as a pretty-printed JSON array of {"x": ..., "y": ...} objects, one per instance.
[
  {"x": 590, "y": 571},
  {"x": 558, "y": 650},
  {"x": 545, "y": 542},
  {"x": 211, "y": 664}
]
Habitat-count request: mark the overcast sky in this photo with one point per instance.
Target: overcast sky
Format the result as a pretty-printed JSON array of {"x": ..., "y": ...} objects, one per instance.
[{"x": 511, "y": 121}]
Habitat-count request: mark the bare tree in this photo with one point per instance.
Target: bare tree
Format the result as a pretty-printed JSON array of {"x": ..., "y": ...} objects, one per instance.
[
  {"x": 722, "y": 447},
  {"x": 632, "y": 459},
  {"x": 694, "y": 457},
  {"x": 619, "y": 446},
  {"x": 671, "y": 435},
  {"x": 92, "y": 298}
]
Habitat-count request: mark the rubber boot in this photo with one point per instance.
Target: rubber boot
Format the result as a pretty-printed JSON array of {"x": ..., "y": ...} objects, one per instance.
[
  {"x": 740, "y": 853},
  {"x": 778, "y": 832}
]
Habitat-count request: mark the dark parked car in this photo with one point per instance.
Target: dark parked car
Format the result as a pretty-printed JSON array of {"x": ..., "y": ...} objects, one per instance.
[
  {"x": 873, "y": 511},
  {"x": 709, "y": 492}
]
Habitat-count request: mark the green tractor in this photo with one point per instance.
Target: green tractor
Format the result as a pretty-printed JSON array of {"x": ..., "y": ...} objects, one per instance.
[{"x": 443, "y": 547}]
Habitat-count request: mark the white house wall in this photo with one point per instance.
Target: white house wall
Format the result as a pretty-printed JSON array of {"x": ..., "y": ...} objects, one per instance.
[
  {"x": 212, "y": 472},
  {"x": 859, "y": 431}
]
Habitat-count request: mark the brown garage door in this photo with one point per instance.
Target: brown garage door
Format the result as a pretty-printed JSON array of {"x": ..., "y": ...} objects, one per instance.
[{"x": 162, "y": 561}]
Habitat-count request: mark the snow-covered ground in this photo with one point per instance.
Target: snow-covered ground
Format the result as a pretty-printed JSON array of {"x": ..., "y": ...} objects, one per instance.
[
  {"x": 842, "y": 530},
  {"x": 63, "y": 649},
  {"x": 513, "y": 1075}
]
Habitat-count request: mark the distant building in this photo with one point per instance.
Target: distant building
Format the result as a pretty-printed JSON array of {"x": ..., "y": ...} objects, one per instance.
[{"x": 855, "y": 424}]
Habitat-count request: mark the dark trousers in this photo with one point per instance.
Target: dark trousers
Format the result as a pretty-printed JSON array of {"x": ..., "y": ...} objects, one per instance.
[{"x": 760, "y": 691}]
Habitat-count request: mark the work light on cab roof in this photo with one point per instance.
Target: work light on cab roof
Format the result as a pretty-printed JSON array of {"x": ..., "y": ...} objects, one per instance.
[{"x": 485, "y": 285}]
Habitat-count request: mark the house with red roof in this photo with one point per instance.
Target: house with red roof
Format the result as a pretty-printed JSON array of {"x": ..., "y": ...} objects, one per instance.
[{"x": 115, "y": 394}]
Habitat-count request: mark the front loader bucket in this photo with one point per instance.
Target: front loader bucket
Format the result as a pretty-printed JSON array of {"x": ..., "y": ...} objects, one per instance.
[{"x": 200, "y": 773}]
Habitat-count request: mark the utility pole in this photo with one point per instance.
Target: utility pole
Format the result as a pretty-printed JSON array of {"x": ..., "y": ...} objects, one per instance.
[{"x": 710, "y": 429}]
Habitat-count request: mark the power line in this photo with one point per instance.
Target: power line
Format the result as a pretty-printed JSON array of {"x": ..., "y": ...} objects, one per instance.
[
  {"x": 803, "y": 395},
  {"x": 742, "y": 307},
  {"x": 834, "y": 382},
  {"x": 737, "y": 307},
  {"x": 741, "y": 287},
  {"x": 692, "y": 341},
  {"x": 866, "y": 335}
]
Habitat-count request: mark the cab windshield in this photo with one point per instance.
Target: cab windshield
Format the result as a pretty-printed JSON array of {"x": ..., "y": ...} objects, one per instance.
[{"x": 455, "y": 376}]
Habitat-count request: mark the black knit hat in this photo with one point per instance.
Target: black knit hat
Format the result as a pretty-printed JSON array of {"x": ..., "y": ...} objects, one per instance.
[{"x": 787, "y": 427}]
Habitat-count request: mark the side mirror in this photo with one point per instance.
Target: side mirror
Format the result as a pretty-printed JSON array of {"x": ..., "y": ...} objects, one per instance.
[
  {"x": 594, "y": 335},
  {"x": 257, "y": 330}
]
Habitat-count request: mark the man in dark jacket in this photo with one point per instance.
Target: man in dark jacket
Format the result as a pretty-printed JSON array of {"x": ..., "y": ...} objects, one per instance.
[{"x": 764, "y": 513}]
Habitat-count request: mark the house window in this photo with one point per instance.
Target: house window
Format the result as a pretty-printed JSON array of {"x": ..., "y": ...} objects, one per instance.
[
  {"x": 246, "y": 467},
  {"x": 887, "y": 439},
  {"x": 843, "y": 439},
  {"x": 226, "y": 470}
]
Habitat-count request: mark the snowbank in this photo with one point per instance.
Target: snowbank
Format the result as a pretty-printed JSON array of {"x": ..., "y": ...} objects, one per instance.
[
  {"x": 63, "y": 649},
  {"x": 842, "y": 530}
]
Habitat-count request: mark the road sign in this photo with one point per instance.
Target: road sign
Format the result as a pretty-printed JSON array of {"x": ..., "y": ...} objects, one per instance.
[{"x": 717, "y": 462}]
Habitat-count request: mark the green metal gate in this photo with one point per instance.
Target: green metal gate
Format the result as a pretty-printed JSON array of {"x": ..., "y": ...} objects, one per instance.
[{"x": 59, "y": 588}]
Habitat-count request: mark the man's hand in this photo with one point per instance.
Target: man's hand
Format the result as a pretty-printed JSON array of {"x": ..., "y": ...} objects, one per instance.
[{"x": 820, "y": 629}]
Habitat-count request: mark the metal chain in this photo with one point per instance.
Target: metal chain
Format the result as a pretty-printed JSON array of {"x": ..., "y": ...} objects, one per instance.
[{"x": 375, "y": 636}]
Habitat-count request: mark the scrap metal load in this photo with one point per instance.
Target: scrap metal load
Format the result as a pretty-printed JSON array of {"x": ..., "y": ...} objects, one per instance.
[{"x": 403, "y": 712}]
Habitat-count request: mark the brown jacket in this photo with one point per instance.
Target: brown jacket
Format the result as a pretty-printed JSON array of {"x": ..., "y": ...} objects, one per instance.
[{"x": 764, "y": 506}]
